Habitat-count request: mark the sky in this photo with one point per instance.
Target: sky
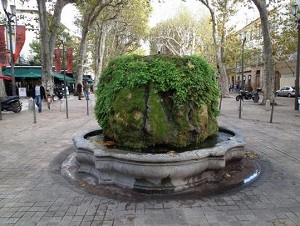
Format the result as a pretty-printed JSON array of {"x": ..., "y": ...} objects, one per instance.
[
  {"x": 166, "y": 9},
  {"x": 68, "y": 15},
  {"x": 161, "y": 11}
]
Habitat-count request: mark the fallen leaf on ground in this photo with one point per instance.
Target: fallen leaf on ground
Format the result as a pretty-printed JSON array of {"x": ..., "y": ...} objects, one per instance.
[{"x": 251, "y": 155}]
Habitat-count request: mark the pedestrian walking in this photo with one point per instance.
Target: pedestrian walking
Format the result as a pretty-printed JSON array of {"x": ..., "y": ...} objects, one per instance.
[
  {"x": 79, "y": 90},
  {"x": 49, "y": 100},
  {"x": 38, "y": 94},
  {"x": 86, "y": 90},
  {"x": 237, "y": 88}
]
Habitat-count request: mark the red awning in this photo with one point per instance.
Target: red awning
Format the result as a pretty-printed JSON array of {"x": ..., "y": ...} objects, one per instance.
[{"x": 5, "y": 77}]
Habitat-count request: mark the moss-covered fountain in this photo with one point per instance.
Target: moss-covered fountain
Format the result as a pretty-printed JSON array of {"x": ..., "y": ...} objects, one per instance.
[{"x": 156, "y": 115}]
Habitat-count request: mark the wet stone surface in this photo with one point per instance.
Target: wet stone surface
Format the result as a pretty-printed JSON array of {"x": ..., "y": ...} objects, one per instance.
[
  {"x": 236, "y": 174},
  {"x": 155, "y": 173}
]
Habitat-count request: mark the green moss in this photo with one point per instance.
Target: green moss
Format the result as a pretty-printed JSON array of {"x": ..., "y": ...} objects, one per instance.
[
  {"x": 126, "y": 119},
  {"x": 157, "y": 118},
  {"x": 157, "y": 100},
  {"x": 189, "y": 77}
]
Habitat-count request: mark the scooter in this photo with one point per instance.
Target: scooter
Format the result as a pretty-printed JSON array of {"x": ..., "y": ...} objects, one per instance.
[
  {"x": 11, "y": 103},
  {"x": 245, "y": 95},
  {"x": 58, "y": 92}
]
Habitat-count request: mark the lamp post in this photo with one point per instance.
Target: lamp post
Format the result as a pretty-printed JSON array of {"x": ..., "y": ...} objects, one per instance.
[
  {"x": 159, "y": 48},
  {"x": 295, "y": 13},
  {"x": 63, "y": 41},
  {"x": 9, "y": 16},
  {"x": 243, "y": 38},
  {"x": 243, "y": 56}
]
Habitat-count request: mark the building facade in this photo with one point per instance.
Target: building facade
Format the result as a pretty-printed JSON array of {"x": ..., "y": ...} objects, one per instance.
[{"x": 253, "y": 75}]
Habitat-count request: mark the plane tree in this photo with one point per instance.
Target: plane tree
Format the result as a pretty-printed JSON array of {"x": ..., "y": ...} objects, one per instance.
[
  {"x": 49, "y": 21},
  {"x": 90, "y": 12},
  {"x": 264, "y": 8},
  {"x": 220, "y": 13},
  {"x": 183, "y": 34},
  {"x": 118, "y": 31}
]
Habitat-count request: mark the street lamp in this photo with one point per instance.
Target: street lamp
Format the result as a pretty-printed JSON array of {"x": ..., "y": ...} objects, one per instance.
[
  {"x": 159, "y": 48},
  {"x": 295, "y": 13},
  {"x": 9, "y": 16},
  {"x": 63, "y": 41},
  {"x": 243, "y": 38}
]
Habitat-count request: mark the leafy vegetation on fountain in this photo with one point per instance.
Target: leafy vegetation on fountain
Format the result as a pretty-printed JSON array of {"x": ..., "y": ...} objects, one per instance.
[{"x": 158, "y": 100}]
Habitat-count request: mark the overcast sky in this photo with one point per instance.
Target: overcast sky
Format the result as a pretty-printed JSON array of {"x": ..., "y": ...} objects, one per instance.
[
  {"x": 165, "y": 10},
  {"x": 161, "y": 11}
]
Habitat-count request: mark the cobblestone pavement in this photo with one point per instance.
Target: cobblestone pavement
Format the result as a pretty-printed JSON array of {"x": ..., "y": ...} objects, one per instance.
[{"x": 33, "y": 192}]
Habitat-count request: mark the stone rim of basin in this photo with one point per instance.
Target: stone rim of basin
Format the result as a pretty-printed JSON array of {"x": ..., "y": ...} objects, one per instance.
[{"x": 153, "y": 173}]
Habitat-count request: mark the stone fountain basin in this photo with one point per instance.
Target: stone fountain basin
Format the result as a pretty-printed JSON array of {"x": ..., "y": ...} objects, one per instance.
[{"x": 154, "y": 173}]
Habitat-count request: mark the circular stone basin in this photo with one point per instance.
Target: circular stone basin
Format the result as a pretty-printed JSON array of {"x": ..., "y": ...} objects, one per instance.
[{"x": 153, "y": 173}]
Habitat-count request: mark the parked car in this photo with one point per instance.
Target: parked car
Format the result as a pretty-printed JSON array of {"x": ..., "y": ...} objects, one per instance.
[{"x": 286, "y": 91}]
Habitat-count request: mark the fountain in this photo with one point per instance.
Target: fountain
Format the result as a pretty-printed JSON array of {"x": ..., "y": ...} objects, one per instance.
[{"x": 156, "y": 113}]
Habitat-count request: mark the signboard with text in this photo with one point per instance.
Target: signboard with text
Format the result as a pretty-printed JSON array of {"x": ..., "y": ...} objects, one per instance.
[{"x": 22, "y": 92}]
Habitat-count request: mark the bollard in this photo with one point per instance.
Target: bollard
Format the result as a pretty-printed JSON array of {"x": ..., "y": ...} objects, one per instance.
[
  {"x": 220, "y": 104},
  {"x": 271, "y": 118},
  {"x": 67, "y": 110},
  {"x": 268, "y": 105},
  {"x": 30, "y": 104},
  {"x": 240, "y": 108},
  {"x": 87, "y": 106},
  {"x": 61, "y": 105},
  {"x": 34, "y": 113}
]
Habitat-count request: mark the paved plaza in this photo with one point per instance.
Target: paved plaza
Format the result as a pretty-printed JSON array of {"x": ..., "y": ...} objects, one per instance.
[{"x": 33, "y": 192}]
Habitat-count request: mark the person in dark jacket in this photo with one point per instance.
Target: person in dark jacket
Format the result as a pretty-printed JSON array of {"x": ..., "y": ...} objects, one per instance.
[
  {"x": 86, "y": 89},
  {"x": 38, "y": 94},
  {"x": 79, "y": 90}
]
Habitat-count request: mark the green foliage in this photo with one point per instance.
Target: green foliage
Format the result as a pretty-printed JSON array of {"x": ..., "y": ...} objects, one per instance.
[
  {"x": 184, "y": 34},
  {"x": 190, "y": 79},
  {"x": 35, "y": 46},
  {"x": 117, "y": 30},
  {"x": 36, "y": 50}
]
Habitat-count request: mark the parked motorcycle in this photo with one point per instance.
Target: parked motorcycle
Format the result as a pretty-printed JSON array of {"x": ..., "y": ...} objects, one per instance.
[
  {"x": 58, "y": 91},
  {"x": 11, "y": 103},
  {"x": 245, "y": 95}
]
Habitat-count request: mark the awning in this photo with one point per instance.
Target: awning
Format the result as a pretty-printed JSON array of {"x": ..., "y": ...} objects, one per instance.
[
  {"x": 24, "y": 72},
  {"x": 61, "y": 77},
  {"x": 5, "y": 77},
  {"x": 28, "y": 75},
  {"x": 34, "y": 72}
]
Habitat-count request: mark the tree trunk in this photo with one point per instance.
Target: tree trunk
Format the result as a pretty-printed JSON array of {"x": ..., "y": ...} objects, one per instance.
[
  {"x": 2, "y": 89},
  {"x": 48, "y": 33},
  {"x": 81, "y": 55},
  {"x": 268, "y": 87},
  {"x": 223, "y": 79},
  {"x": 218, "y": 43},
  {"x": 100, "y": 52},
  {"x": 89, "y": 19},
  {"x": 47, "y": 79}
]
